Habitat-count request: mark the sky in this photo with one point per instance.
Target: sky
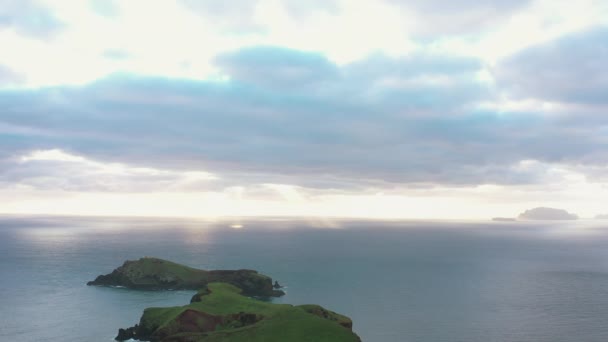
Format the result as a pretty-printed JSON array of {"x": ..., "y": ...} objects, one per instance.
[{"x": 421, "y": 109}]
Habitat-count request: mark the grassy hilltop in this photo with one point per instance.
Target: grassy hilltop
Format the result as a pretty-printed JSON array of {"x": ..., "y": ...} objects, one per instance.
[{"x": 220, "y": 312}]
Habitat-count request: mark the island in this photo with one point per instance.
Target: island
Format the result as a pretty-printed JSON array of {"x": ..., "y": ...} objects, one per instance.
[
  {"x": 221, "y": 313},
  {"x": 601, "y": 217},
  {"x": 158, "y": 274},
  {"x": 543, "y": 213},
  {"x": 227, "y": 307}
]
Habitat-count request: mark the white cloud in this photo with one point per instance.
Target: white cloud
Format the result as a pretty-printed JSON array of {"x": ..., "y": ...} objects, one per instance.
[
  {"x": 180, "y": 39},
  {"x": 176, "y": 193},
  {"x": 169, "y": 39},
  {"x": 389, "y": 123},
  {"x": 52, "y": 155},
  {"x": 540, "y": 21},
  {"x": 57, "y": 170}
]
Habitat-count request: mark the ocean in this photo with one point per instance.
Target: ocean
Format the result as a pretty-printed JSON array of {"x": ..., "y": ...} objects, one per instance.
[{"x": 450, "y": 281}]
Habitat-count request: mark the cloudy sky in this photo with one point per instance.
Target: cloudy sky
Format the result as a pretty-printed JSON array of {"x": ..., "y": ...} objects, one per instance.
[{"x": 361, "y": 108}]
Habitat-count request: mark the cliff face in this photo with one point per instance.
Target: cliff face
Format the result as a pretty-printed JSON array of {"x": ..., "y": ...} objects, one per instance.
[
  {"x": 219, "y": 312},
  {"x": 158, "y": 274}
]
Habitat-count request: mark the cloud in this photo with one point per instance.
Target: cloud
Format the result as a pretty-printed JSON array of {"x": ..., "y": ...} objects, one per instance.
[
  {"x": 105, "y": 8},
  {"x": 277, "y": 67},
  {"x": 324, "y": 105},
  {"x": 29, "y": 18},
  {"x": 379, "y": 122},
  {"x": 441, "y": 18},
  {"x": 300, "y": 9},
  {"x": 423, "y": 19},
  {"x": 241, "y": 16},
  {"x": 570, "y": 69},
  {"x": 236, "y": 16},
  {"x": 57, "y": 170},
  {"x": 418, "y": 81},
  {"x": 116, "y": 54},
  {"x": 9, "y": 77}
]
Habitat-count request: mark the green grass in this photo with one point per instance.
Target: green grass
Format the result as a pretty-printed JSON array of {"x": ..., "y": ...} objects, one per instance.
[
  {"x": 327, "y": 314},
  {"x": 280, "y": 322},
  {"x": 154, "y": 273},
  {"x": 153, "y": 318},
  {"x": 149, "y": 267}
]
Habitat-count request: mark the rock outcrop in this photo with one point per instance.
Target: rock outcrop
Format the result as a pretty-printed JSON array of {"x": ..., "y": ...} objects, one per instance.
[{"x": 157, "y": 274}]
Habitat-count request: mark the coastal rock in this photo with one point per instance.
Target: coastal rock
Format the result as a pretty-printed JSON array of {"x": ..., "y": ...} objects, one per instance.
[
  {"x": 158, "y": 274},
  {"x": 221, "y": 313},
  {"x": 127, "y": 334},
  {"x": 543, "y": 213}
]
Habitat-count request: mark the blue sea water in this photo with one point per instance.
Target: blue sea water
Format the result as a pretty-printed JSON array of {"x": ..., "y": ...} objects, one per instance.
[{"x": 398, "y": 281}]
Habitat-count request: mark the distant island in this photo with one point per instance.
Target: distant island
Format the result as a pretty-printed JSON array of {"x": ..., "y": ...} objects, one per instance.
[
  {"x": 504, "y": 219},
  {"x": 602, "y": 217},
  {"x": 543, "y": 213},
  {"x": 221, "y": 311}
]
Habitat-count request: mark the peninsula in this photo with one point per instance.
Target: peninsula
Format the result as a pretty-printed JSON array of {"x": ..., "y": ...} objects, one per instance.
[{"x": 225, "y": 308}]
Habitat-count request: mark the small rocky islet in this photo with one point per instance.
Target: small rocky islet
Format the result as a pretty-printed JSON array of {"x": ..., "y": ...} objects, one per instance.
[{"x": 224, "y": 308}]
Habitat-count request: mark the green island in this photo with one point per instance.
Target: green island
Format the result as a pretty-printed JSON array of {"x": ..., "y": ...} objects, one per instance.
[
  {"x": 222, "y": 311},
  {"x": 158, "y": 274}
]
